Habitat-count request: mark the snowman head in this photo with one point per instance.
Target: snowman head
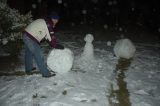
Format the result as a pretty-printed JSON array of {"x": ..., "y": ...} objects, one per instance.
[{"x": 89, "y": 38}]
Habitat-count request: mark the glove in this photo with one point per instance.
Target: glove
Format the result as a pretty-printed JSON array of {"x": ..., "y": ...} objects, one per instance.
[{"x": 53, "y": 43}]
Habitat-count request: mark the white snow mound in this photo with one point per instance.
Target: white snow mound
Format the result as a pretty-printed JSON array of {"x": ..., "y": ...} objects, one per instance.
[
  {"x": 124, "y": 48},
  {"x": 60, "y": 61}
]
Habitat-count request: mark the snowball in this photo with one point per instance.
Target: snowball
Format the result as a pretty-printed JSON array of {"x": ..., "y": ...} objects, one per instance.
[
  {"x": 59, "y": 1},
  {"x": 109, "y": 43},
  {"x": 124, "y": 48},
  {"x": 60, "y": 61}
]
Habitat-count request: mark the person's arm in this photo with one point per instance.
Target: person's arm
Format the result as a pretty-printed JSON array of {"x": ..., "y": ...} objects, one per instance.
[{"x": 53, "y": 43}]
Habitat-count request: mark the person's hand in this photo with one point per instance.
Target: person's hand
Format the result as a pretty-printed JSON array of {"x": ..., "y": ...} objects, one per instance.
[{"x": 53, "y": 43}]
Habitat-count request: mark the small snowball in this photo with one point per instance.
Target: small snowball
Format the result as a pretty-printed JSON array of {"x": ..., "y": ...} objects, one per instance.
[
  {"x": 109, "y": 43},
  {"x": 60, "y": 61},
  {"x": 124, "y": 48}
]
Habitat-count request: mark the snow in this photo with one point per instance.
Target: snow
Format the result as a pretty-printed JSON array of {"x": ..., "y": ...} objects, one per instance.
[
  {"x": 143, "y": 77},
  {"x": 94, "y": 1},
  {"x": 34, "y": 6},
  {"x": 84, "y": 11},
  {"x": 60, "y": 61},
  {"x": 110, "y": 3},
  {"x": 39, "y": 1},
  {"x": 124, "y": 48},
  {"x": 105, "y": 26},
  {"x": 158, "y": 29},
  {"x": 88, "y": 88},
  {"x": 4, "y": 41},
  {"x": 60, "y": 2}
]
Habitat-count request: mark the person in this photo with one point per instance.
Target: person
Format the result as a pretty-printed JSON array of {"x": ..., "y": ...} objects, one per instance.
[{"x": 33, "y": 34}]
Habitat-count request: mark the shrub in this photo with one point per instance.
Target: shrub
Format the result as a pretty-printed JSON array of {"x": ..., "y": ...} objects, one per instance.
[{"x": 11, "y": 27}]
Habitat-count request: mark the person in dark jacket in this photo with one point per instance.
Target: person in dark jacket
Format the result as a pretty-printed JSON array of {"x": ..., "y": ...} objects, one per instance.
[{"x": 33, "y": 34}]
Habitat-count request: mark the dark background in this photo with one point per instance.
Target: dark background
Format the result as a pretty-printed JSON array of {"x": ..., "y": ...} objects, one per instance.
[{"x": 140, "y": 14}]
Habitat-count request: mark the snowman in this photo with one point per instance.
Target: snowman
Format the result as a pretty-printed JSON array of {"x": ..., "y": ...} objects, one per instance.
[
  {"x": 86, "y": 60},
  {"x": 88, "y": 51}
]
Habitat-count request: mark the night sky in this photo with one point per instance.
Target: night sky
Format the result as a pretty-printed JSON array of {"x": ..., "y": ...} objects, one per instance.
[{"x": 110, "y": 12}]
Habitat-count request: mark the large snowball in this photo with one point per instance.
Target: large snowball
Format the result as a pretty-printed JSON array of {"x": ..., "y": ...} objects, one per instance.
[
  {"x": 124, "y": 48},
  {"x": 60, "y": 61}
]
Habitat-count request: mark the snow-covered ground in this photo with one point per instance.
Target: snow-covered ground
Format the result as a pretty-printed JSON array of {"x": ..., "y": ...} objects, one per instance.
[{"x": 91, "y": 87}]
